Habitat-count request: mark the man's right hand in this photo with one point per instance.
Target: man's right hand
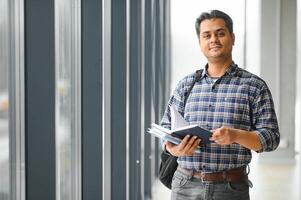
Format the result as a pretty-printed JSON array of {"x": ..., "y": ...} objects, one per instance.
[{"x": 186, "y": 148}]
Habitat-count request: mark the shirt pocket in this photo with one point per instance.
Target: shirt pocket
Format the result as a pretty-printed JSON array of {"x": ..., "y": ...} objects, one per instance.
[{"x": 233, "y": 110}]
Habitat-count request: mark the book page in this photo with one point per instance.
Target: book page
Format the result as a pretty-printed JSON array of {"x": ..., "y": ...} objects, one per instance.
[
  {"x": 161, "y": 128},
  {"x": 185, "y": 127},
  {"x": 177, "y": 121}
]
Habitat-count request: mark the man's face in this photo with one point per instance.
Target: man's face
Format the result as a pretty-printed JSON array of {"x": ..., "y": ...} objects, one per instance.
[{"x": 215, "y": 40}]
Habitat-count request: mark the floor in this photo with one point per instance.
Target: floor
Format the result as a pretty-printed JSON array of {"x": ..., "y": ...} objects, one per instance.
[{"x": 271, "y": 182}]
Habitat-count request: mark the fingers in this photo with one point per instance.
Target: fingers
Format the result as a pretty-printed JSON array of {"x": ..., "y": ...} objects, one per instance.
[
  {"x": 169, "y": 145},
  {"x": 185, "y": 148},
  {"x": 184, "y": 142},
  {"x": 191, "y": 150},
  {"x": 218, "y": 140},
  {"x": 222, "y": 136},
  {"x": 217, "y": 137},
  {"x": 189, "y": 145}
]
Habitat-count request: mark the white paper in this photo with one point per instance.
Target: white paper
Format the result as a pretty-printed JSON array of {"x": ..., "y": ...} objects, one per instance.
[{"x": 177, "y": 121}]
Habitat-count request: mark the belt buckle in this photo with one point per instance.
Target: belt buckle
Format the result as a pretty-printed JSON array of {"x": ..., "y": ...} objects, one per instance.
[
  {"x": 202, "y": 178},
  {"x": 203, "y": 181}
]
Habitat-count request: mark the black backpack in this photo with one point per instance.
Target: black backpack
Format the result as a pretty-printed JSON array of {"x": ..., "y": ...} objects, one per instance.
[{"x": 169, "y": 163}]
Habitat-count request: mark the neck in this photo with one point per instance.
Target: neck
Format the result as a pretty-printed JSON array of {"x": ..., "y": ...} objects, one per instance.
[{"x": 218, "y": 69}]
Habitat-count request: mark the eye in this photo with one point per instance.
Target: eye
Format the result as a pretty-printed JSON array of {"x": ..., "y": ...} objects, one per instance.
[
  {"x": 206, "y": 36},
  {"x": 220, "y": 33}
]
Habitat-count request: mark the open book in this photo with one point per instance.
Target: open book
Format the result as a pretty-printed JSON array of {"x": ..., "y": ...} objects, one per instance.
[
  {"x": 179, "y": 133},
  {"x": 179, "y": 129},
  {"x": 164, "y": 134}
]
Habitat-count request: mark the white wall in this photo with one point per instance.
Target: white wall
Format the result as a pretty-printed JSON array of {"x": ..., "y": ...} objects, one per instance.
[
  {"x": 298, "y": 80},
  {"x": 253, "y": 10},
  {"x": 298, "y": 91}
]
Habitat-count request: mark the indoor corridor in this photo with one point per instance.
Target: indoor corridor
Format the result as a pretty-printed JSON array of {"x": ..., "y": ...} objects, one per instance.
[{"x": 81, "y": 81}]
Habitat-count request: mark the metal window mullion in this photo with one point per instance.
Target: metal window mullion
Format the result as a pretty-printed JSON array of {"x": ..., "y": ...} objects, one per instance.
[
  {"x": 106, "y": 94},
  {"x": 153, "y": 85},
  {"x": 133, "y": 98},
  {"x": 92, "y": 136},
  {"x": 118, "y": 93},
  {"x": 158, "y": 66},
  {"x": 57, "y": 114},
  {"x": 167, "y": 52},
  {"x": 142, "y": 100},
  {"x": 147, "y": 106},
  {"x": 40, "y": 99},
  {"x": 128, "y": 128},
  {"x": 77, "y": 98}
]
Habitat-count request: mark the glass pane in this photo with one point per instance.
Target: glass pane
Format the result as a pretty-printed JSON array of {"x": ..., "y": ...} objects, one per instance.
[
  {"x": 4, "y": 101},
  {"x": 67, "y": 108}
]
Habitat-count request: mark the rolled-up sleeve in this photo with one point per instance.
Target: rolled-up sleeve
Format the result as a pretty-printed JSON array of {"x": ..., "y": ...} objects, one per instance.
[
  {"x": 265, "y": 120},
  {"x": 166, "y": 119},
  {"x": 176, "y": 99}
]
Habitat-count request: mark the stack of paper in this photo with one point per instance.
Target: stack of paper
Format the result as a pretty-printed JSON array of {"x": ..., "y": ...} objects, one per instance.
[{"x": 163, "y": 134}]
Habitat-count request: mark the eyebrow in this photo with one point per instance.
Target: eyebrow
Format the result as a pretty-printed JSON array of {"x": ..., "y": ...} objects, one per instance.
[{"x": 217, "y": 30}]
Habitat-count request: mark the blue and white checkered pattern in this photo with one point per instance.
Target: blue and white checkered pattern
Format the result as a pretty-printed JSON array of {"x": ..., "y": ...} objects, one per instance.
[{"x": 238, "y": 100}]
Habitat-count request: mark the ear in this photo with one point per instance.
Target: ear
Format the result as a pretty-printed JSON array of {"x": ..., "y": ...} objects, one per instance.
[
  {"x": 233, "y": 39},
  {"x": 200, "y": 45}
]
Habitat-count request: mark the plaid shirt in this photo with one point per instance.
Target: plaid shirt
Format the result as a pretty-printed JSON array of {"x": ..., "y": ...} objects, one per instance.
[{"x": 239, "y": 100}]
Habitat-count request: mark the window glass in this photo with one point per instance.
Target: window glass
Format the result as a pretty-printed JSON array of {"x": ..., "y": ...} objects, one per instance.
[
  {"x": 4, "y": 101},
  {"x": 67, "y": 150}
]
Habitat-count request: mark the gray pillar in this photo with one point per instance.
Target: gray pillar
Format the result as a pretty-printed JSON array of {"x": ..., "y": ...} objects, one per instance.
[
  {"x": 278, "y": 69},
  {"x": 134, "y": 101},
  {"x": 92, "y": 158},
  {"x": 118, "y": 82},
  {"x": 134, "y": 78},
  {"x": 40, "y": 100}
]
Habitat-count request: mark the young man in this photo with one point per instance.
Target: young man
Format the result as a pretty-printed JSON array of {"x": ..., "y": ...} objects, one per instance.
[{"x": 235, "y": 104}]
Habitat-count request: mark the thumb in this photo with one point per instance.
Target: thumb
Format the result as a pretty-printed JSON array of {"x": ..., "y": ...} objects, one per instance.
[{"x": 169, "y": 145}]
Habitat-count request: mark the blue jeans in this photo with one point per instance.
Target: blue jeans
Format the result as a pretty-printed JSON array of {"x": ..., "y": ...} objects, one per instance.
[{"x": 185, "y": 187}]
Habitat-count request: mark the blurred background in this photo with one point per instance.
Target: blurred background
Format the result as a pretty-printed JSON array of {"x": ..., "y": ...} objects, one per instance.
[{"x": 82, "y": 80}]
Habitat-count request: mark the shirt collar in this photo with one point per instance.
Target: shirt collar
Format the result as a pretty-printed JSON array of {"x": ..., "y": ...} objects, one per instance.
[{"x": 231, "y": 71}]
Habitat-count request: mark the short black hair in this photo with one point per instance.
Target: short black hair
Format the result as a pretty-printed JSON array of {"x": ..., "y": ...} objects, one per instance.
[{"x": 212, "y": 15}]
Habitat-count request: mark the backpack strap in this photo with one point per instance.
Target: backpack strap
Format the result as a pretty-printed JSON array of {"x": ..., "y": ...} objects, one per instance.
[{"x": 197, "y": 77}]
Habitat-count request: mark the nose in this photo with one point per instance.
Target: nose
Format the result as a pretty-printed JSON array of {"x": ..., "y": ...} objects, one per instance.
[{"x": 213, "y": 38}]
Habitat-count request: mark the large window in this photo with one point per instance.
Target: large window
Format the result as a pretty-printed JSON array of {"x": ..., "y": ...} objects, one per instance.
[
  {"x": 4, "y": 101},
  {"x": 12, "y": 142},
  {"x": 68, "y": 107}
]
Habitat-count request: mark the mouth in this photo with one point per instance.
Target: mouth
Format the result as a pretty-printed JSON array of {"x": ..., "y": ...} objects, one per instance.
[{"x": 215, "y": 47}]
